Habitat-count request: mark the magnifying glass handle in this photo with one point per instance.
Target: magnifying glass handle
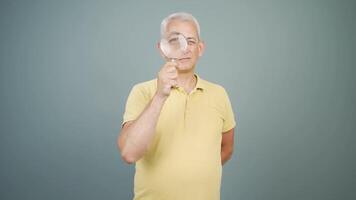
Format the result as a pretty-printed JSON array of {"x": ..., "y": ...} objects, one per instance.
[{"x": 175, "y": 61}]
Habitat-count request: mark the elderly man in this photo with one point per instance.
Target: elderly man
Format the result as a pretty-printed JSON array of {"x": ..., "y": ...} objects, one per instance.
[{"x": 178, "y": 128}]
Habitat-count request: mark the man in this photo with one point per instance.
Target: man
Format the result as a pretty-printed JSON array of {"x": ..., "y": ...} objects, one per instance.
[{"x": 178, "y": 128}]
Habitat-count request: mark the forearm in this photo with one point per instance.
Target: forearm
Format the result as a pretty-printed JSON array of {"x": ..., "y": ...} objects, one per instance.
[
  {"x": 225, "y": 156},
  {"x": 140, "y": 133}
]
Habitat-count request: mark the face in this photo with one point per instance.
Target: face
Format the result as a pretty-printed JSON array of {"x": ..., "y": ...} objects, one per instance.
[{"x": 195, "y": 47}]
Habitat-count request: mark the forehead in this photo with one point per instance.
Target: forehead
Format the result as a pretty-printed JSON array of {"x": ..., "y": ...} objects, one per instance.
[{"x": 187, "y": 28}]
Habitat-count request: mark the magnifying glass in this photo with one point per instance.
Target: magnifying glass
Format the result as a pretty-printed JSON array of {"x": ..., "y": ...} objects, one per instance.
[{"x": 173, "y": 46}]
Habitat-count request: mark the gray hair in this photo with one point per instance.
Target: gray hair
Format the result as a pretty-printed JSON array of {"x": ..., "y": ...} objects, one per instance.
[{"x": 182, "y": 16}]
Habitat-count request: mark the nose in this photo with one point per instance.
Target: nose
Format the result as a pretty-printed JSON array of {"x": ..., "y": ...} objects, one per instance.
[{"x": 187, "y": 50}]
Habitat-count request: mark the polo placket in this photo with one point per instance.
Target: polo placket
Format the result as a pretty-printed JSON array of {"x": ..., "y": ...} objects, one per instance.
[{"x": 187, "y": 104}]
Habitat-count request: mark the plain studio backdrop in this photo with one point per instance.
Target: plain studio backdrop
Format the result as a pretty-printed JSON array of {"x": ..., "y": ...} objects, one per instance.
[{"x": 67, "y": 68}]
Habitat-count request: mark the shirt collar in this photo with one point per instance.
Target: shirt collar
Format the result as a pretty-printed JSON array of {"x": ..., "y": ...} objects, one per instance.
[{"x": 200, "y": 83}]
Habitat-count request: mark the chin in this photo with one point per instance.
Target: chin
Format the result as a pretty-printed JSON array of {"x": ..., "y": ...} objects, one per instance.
[{"x": 185, "y": 67}]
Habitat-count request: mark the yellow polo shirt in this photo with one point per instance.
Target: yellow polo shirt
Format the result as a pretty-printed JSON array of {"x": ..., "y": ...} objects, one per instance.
[{"x": 183, "y": 162}]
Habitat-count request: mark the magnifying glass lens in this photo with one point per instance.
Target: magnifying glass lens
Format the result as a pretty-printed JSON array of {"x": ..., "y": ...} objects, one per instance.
[{"x": 174, "y": 46}]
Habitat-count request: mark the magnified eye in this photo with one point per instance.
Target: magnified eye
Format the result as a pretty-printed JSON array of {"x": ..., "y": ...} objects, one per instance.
[{"x": 173, "y": 40}]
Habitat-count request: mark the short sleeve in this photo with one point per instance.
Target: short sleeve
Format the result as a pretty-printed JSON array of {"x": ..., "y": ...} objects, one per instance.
[
  {"x": 135, "y": 104},
  {"x": 228, "y": 114}
]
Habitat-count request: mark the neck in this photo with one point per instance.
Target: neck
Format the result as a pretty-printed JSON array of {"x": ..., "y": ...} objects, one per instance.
[{"x": 186, "y": 80}]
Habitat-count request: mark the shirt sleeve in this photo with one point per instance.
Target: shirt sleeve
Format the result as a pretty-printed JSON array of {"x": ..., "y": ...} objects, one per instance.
[
  {"x": 135, "y": 104},
  {"x": 228, "y": 114}
]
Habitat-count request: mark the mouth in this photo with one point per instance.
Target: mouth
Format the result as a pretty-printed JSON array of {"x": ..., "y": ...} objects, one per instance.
[{"x": 184, "y": 59}]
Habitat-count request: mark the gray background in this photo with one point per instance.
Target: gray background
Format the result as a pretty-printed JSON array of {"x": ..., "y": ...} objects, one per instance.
[{"x": 67, "y": 68}]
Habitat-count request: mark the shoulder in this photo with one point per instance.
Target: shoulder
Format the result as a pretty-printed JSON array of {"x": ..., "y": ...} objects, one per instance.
[
  {"x": 214, "y": 88},
  {"x": 146, "y": 84},
  {"x": 147, "y": 88}
]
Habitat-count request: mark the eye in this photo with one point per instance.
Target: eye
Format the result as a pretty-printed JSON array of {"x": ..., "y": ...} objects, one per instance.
[
  {"x": 173, "y": 40},
  {"x": 191, "y": 42}
]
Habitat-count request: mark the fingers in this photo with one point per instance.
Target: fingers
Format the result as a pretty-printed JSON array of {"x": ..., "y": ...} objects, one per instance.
[
  {"x": 171, "y": 66},
  {"x": 173, "y": 83},
  {"x": 174, "y": 63},
  {"x": 171, "y": 71},
  {"x": 167, "y": 78}
]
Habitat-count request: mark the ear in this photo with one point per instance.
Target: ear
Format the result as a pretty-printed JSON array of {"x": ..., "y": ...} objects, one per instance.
[
  {"x": 201, "y": 47},
  {"x": 160, "y": 50}
]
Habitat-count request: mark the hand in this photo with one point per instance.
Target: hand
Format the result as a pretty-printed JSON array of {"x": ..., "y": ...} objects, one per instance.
[{"x": 167, "y": 78}]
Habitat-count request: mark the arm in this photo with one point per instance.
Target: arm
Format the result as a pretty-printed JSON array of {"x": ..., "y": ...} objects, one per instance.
[
  {"x": 136, "y": 135},
  {"x": 227, "y": 145}
]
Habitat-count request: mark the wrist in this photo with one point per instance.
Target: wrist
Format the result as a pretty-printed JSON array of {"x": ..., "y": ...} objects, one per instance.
[{"x": 159, "y": 98}]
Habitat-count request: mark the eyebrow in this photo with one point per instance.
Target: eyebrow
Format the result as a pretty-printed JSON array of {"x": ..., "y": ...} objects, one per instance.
[
  {"x": 189, "y": 38},
  {"x": 177, "y": 33},
  {"x": 174, "y": 33}
]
